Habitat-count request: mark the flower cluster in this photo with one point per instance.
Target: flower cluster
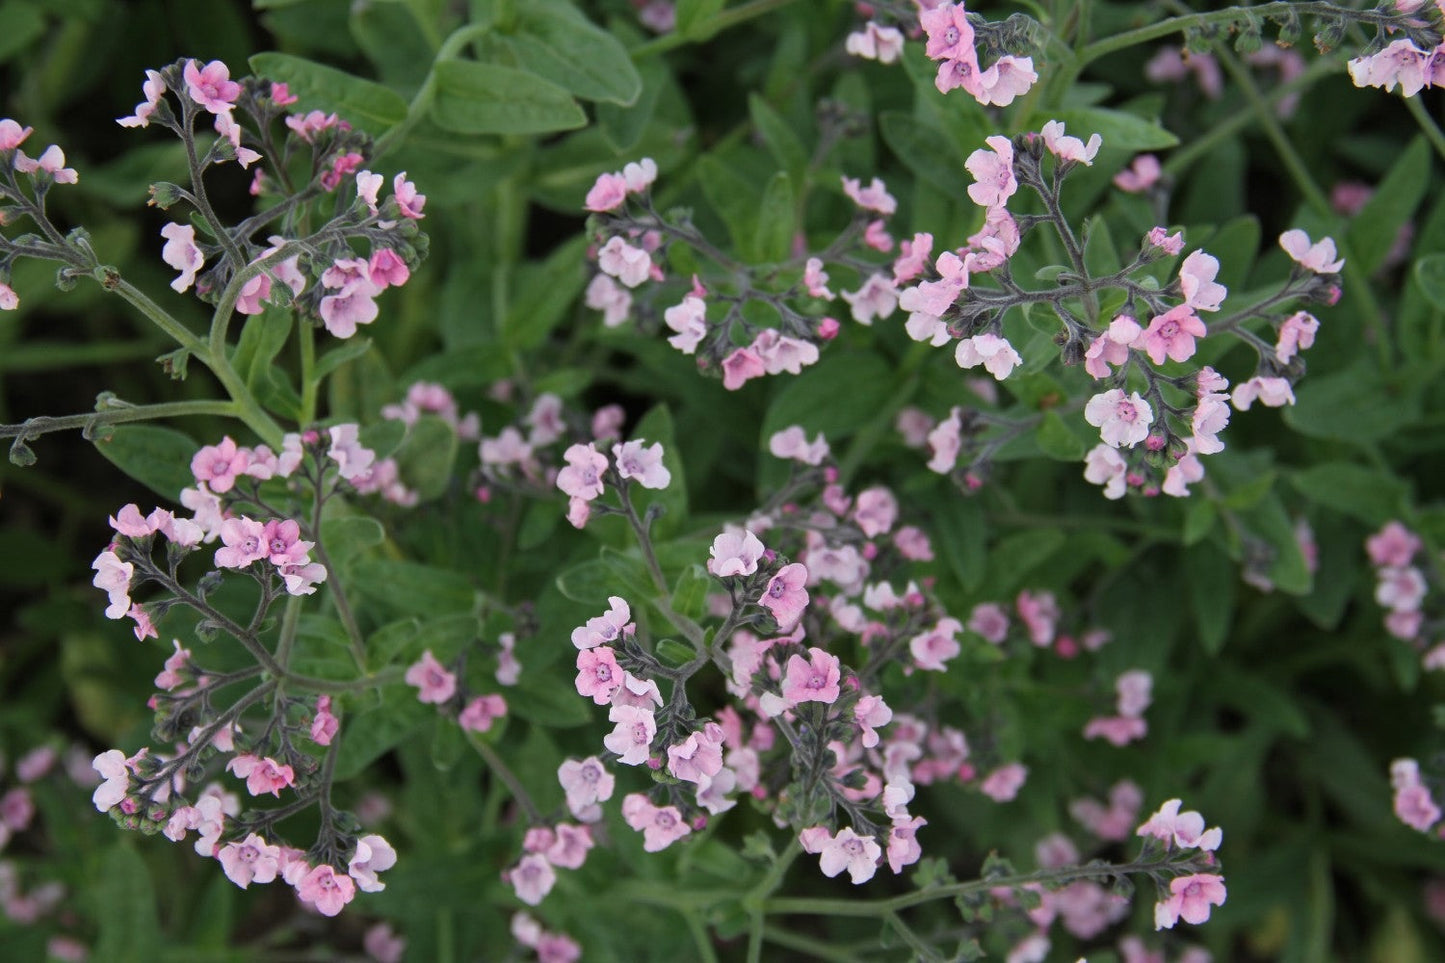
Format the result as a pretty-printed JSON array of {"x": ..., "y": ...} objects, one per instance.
[
  {"x": 1189, "y": 897},
  {"x": 1403, "y": 588},
  {"x": 951, "y": 40},
  {"x": 1414, "y": 803}
]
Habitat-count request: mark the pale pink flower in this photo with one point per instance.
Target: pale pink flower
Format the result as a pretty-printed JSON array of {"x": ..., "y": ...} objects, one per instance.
[
  {"x": 735, "y": 552},
  {"x": 586, "y": 783},
  {"x": 846, "y": 850},
  {"x": 113, "y": 576},
  {"x": 382, "y": 944},
  {"x": 1416, "y": 808},
  {"x": 1318, "y": 257},
  {"x": 1067, "y": 148},
  {"x": 1122, "y": 421},
  {"x": 324, "y": 725},
  {"x": 871, "y": 713},
  {"x": 569, "y": 849},
  {"x": 993, "y": 172},
  {"x": 433, "y": 682},
  {"x": 407, "y": 199},
  {"x": 1184, "y": 830},
  {"x": 997, "y": 356},
  {"x": 1400, "y": 63},
  {"x": 883, "y": 44},
  {"x": 874, "y": 197},
  {"x": 607, "y": 194},
  {"x": 699, "y": 755},
  {"x": 1117, "y": 730},
  {"x": 1271, "y": 392},
  {"x": 642, "y": 464},
  {"x": 482, "y": 712},
  {"x": 815, "y": 279},
  {"x": 1007, "y": 78},
  {"x": 1401, "y": 589},
  {"x": 932, "y": 649},
  {"x": 989, "y": 620},
  {"x": 628, "y": 264},
  {"x": 353, "y": 460},
  {"x": 912, "y": 259},
  {"x": 1171, "y": 244},
  {"x": 740, "y": 367},
  {"x": 114, "y": 769},
  {"x": 785, "y": 597},
  {"x": 660, "y": 827},
  {"x": 180, "y": 252},
  {"x": 373, "y": 855},
  {"x": 1196, "y": 279},
  {"x": 1003, "y": 784},
  {"x": 326, "y": 890},
  {"x": 1190, "y": 900},
  {"x": 244, "y": 542},
  {"x": 12, "y": 135},
  {"x": 792, "y": 442},
  {"x": 639, "y": 175},
  {"x": 814, "y": 679},
  {"x": 250, "y": 861},
  {"x": 1112, "y": 347},
  {"x": 1183, "y": 473},
  {"x": 1296, "y": 334},
  {"x": 582, "y": 477},
  {"x": 211, "y": 86},
  {"x": 598, "y": 675},
  {"x": 606, "y": 627},
  {"x": 634, "y": 732},
  {"x": 9, "y": 300},
  {"x": 1172, "y": 333},
  {"x": 262, "y": 775},
  {"x": 1139, "y": 176},
  {"x": 1394, "y": 545},
  {"x": 945, "y": 441},
  {"x": 688, "y": 319},
  {"x": 368, "y": 186},
  {"x": 877, "y": 298},
  {"x": 52, "y": 162},
  {"x": 780, "y": 353}
]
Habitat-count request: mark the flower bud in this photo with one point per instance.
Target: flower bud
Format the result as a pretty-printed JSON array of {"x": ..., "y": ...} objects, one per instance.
[{"x": 164, "y": 194}]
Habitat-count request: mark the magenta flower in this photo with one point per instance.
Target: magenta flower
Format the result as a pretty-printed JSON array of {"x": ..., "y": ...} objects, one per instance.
[
  {"x": 261, "y": 774},
  {"x": 1196, "y": 279},
  {"x": 814, "y": 679},
  {"x": 433, "y": 682},
  {"x": 605, "y": 628},
  {"x": 326, "y": 889},
  {"x": 582, "y": 478},
  {"x": 250, "y": 861},
  {"x": 407, "y": 199},
  {"x": 660, "y": 827},
  {"x": 633, "y": 734},
  {"x": 993, "y": 172},
  {"x": 181, "y": 252},
  {"x": 785, "y": 597},
  {"x": 643, "y": 464},
  {"x": 1172, "y": 334},
  {"x": 211, "y": 86},
  {"x": 1190, "y": 900},
  {"x": 735, "y": 552},
  {"x": 1318, "y": 257}
]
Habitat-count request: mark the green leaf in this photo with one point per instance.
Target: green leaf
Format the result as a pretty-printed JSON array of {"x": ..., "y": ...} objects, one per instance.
[
  {"x": 262, "y": 338},
  {"x": 20, "y": 26},
  {"x": 125, "y": 908},
  {"x": 689, "y": 596},
  {"x": 733, "y": 196},
  {"x": 1213, "y": 587},
  {"x": 1430, "y": 273},
  {"x": 541, "y": 701},
  {"x": 693, "y": 16},
  {"x": 159, "y": 458},
  {"x": 1119, "y": 130},
  {"x": 365, "y": 104},
  {"x": 403, "y": 642},
  {"x": 427, "y": 456},
  {"x": 544, "y": 292},
  {"x": 1364, "y": 493},
  {"x": 1014, "y": 557},
  {"x": 782, "y": 142},
  {"x": 411, "y": 588},
  {"x": 370, "y": 732},
  {"x": 836, "y": 396},
  {"x": 339, "y": 356},
  {"x": 1355, "y": 404},
  {"x": 623, "y": 126},
  {"x": 927, "y": 151},
  {"x": 344, "y": 538},
  {"x": 556, "y": 42},
  {"x": 474, "y": 98},
  {"x": 1372, "y": 232},
  {"x": 590, "y": 582},
  {"x": 777, "y": 220},
  {"x": 1057, "y": 440}
]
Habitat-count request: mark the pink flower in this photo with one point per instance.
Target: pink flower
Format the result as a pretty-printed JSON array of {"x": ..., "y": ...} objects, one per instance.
[
  {"x": 792, "y": 442},
  {"x": 586, "y": 783},
  {"x": 244, "y": 542},
  {"x": 735, "y": 552},
  {"x": 607, "y": 627},
  {"x": 9, "y": 300},
  {"x": 481, "y": 712},
  {"x": 874, "y": 197},
  {"x": 643, "y": 464},
  {"x": 1135, "y": 690},
  {"x": 1141, "y": 175},
  {"x": 785, "y": 597},
  {"x": 1184, "y": 830},
  {"x": 1112, "y": 347},
  {"x": 1007, "y": 78},
  {"x": 407, "y": 199},
  {"x": 911, "y": 261},
  {"x": 845, "y": 850},
  {"x": 570, "y": 848},
  {"x": 113, "y": 576},
  {"x": 261, "y": 775},
  {"x": 1122, "y": 421},
  {"x": 326, "y": 890},
  {"x": 1004, "y": 783},
  {"x": 932, "y": 649},
  {"x": 12, "y": 135},
  {"x": 1401, "y": 589},
  {"x": 1172, "y": 333},
  {"x": 1271, "y": 392},
  {"x": 387, "y": 269},
  {"x": 180, "y": 252},
  {"x": 607, "y": 194},
  {"x": 814, "y": 679},
  {"x": 1415, "y": 807},
  {"x": 1040, "y": 615},
  {"x": 175, "y": 670},
  {"x": 582, "y": 478},
  {"x": 697, "y": 756},
  {"x": 945, "y": 441},
  {"x": 950, "y": 35},
  {"x": 741, "y": 366},
  {"x": 433, "y": 682},
  {"x": 997, "y": 356},
  {"x": 1394, "y": 545},
  {"x": 1067, "y": 148},
  {"x": 211, "y": 86},
  {"x": 373, "y": 855},
  {"x": 324, "y": 725},
  {"x": 1296, "y": 334},
  {"x": 598, "y": 675},
  {"x": 660, "y": 827},
  {"x": 639, "y": 175},
  {"x": 633, "y": 734},
  {"x": 993, "y": 172},
  {"x": 780, "y": 353},
  {"x": 368, "y": 186},
  {"x": 1400, "y": 63},
  {"x": 628, "y": 264},
  {"x": 1170, "y": 244},
  {"x": 1117, "y": 730},
  {"x": 688, "y": 319},
  {"x": 883, "y": 44},
  {"x": 251, "y": 861},
  {"x": 382, "y": 944},
  {"x": 989, "y": 620},
  {"x": 1191, "y": 898},
  {"x": 1196, "y": 278},
  {"x": 114, "y": 769},
  {"x": 877, "y": 298},
  {"x": 52, "y": 162},
  {"x": 1318, "y": 257},
  {"x": 871, "y": 712},
  {"x": 815, "y": 279}
]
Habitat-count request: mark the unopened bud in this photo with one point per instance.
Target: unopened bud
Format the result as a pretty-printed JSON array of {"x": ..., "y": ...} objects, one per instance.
[{"x": 164, "y": 194}]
